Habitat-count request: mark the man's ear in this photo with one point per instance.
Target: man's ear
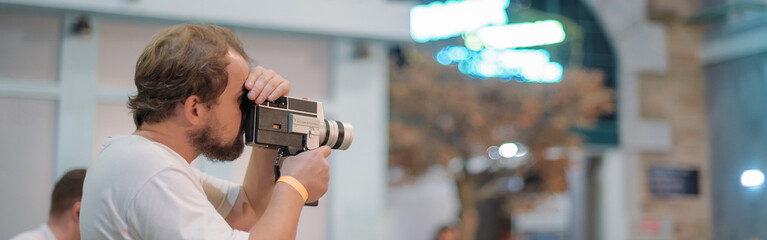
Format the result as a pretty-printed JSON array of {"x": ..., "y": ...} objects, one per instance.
[
  {"x": 75, "y": 211},
  {"x": 194, "y": 109}
]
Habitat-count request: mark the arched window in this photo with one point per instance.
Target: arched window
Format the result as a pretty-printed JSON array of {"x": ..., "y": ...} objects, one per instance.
[{"x": 594, "y": 51}]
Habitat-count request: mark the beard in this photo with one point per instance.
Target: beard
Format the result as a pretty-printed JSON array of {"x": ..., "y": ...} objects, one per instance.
[{"x": 214, "y": 149}]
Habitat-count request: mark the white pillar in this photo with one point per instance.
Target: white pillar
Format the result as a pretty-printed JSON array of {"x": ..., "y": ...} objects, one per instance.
[
  {"x": 359, "y": 95},
  {"x": 78, "y": 71},
  {"x": 641, "y": 49},
  {"x": 616, "y": 210}
]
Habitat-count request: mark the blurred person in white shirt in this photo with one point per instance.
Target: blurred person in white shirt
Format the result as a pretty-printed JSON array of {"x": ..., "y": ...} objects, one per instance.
[{"x": 64, "y": 214}]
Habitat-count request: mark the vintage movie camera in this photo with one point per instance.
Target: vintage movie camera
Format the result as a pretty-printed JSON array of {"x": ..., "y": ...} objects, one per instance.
[{"x": 292, "y": 125}]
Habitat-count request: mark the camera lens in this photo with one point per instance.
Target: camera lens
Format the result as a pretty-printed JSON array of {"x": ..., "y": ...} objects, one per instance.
[{"x": 337, "y": 134}]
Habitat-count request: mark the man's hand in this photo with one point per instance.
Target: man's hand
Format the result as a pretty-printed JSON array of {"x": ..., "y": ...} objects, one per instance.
[
  {"x": 265, "y": 84},
  {"x": 311, "y": 169},
  {"x": 278, "y": 217}
]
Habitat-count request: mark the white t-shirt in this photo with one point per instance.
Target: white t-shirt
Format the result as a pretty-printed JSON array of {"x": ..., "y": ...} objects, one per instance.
[
  {"x": 141, "y": 189},
  {"x": 41, "y": 233}
]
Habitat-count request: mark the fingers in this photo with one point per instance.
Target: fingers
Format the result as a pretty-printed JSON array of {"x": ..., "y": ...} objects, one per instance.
[
  {"x": 252, "y": 76},
  {"x": 261, "y": 83},
  {"x": 282, "y": 90},
  {"x": 271, "y": 84},
  {"x": 320, "y": 152},
  {"x": 265, "y": 84},
  {"x": 311, "y": 169},
  {"x": 324, "y": 151},
  {"x": 250, "y": 83}
]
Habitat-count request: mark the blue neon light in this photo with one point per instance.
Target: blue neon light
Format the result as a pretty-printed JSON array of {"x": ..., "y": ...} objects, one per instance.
[
  {"x": 526, "y": 65},
  {"x": 519, "y": 35}
]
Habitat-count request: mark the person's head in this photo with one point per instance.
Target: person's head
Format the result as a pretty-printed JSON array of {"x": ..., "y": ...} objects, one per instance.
[
  {"x": 66, "y": 196},
  {"x": 193, "y": 75},
  {"x": 448, "y": 232}
]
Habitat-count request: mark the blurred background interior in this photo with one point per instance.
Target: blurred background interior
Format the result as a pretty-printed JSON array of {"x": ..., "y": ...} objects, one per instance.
[{"x": 474, "y": 119}]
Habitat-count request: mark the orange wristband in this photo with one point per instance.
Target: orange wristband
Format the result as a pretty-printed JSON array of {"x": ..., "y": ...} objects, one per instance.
[{"x": 293, "y": 182}]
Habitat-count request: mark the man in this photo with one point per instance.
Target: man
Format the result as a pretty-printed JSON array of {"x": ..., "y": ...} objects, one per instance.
[
  {"x": 190, "y": 81},
  {"x": 64, "y": 214}
]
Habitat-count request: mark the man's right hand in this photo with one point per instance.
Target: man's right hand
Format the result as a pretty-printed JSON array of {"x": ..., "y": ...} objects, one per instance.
[{"x": 311, "y": 169}]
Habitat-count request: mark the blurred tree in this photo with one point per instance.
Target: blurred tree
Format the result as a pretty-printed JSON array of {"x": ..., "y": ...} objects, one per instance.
[{"x": 440, "y": 116}]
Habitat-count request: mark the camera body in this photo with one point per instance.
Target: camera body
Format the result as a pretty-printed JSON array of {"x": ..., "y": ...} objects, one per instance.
[{"x": 293, "y": 125}]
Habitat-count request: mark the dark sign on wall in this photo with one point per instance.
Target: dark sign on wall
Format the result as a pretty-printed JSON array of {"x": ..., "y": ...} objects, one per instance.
[{"x": 670, "y": 181}]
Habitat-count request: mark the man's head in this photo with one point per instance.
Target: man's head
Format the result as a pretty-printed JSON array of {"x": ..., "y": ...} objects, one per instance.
[
  {"x": 66, "y": 196},
  {"x": 448, "y": 233},
  {"x": 194, "y": 74}
]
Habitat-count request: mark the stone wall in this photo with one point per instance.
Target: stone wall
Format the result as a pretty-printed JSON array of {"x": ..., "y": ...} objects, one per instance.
[{"x": 678, "y": 97}]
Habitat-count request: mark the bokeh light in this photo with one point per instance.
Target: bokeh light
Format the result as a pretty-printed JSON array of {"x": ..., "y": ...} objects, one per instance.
[
  {"x": 511, "y": 184},
  {"x": 440, "y": 20},
  {"x": 521, "y": 150},
  {"x": 527, "y": 65},
  {"x": 477, "y": 164},
  {"x": 752, "y": 178},
  {"x": 493, "y": 153},
  {"x": 508, "y": 150},
  {"x": 520, "y": 35}
]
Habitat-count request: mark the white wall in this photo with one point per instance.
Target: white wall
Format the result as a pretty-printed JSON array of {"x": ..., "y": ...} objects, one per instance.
[
  {"x": 29, "y": 40},
  {"x": 28, "y": 56},
  {"x": 418, "y": 209},
  {"x": 26, "y": 167},
  {"x": 369, "y": 19},
  {"x": 359, "y": 95}
]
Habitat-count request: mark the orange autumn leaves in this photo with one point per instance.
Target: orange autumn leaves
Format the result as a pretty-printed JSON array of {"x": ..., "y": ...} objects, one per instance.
[{"x": 437, "y": 114}]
